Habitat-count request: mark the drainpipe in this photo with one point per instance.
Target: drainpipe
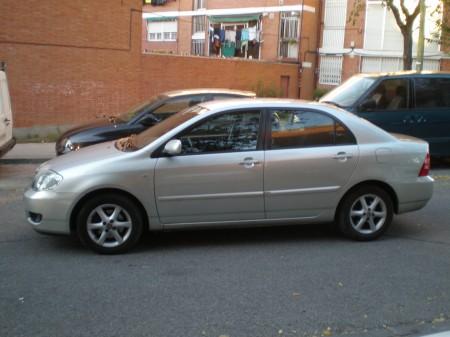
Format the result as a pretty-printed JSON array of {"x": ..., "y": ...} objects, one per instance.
[{"x": 300, "y": 70}]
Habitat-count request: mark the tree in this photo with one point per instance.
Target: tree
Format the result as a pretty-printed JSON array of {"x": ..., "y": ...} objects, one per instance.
[{"x": 405, "y": 21}]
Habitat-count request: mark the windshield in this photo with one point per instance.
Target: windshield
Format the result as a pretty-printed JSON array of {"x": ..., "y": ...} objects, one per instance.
[
  {"x": 349, "y": 92},
  {"x": 136, "y": 142},
  {"x": 136, "y": 109}
]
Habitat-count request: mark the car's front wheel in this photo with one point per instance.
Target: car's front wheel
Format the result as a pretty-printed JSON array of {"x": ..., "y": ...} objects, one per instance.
[
  {"x": 109, "y": 223},
  {"x": 365, "y": 213}
]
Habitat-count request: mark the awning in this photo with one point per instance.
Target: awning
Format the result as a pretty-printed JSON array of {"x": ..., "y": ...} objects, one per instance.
[
  {"x": 159, "y": 19},
  {"x": 239, "y": 18}
]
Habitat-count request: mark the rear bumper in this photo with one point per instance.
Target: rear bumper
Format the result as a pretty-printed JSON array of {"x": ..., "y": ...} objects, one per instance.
[
  {"x": 414, "y": 196},
  {"x": 8, "y": 146}
]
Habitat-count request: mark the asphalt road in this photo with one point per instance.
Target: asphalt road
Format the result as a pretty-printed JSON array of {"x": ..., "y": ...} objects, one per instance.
[{"x": 285, "y": 281}]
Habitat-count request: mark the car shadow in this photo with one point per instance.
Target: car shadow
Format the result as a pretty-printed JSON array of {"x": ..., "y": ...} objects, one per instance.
[
  {"x": 220, "y": 237},
  {"x": 440, "y": 163}
]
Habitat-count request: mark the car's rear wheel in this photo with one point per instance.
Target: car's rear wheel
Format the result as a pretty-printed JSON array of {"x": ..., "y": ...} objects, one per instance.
[
  {"x": 110, "y": 223},
  {"x": 365, "y": 213}
]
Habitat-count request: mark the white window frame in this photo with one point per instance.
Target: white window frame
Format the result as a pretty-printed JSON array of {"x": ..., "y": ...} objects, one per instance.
[
  {"x": 293, "y": 23},
  {"x": 164, "y": 31}
]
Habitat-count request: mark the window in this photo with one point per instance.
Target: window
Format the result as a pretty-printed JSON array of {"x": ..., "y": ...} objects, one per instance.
[
  {"x": 198, "y": 4},
  {"x": 198, "y": 37},
  {"x": 390, "y": 64},
  {"x": 229, "y": 132},
  {"x": 289, "y": 30},
  {"x": 388, "y": 95},
  {"x": 162, "y": 31},
  {"x": 432, "y": 92},
  {"x": 295, "y": 129},
  {"x": 177, "y": 104},
  {"x": 330, "y": 71},
  {"x": 335, "y": 18}
]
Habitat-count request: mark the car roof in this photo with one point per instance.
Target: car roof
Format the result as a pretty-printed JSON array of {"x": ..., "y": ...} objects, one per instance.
[
  {"x": 183, "y": 92},
  {"x": 407, "y": 73},
  {"x": 260, "y": 103}
]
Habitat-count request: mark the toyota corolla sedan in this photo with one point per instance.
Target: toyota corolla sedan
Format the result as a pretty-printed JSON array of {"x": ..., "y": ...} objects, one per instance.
[
  {"x": 140, "y": 117},
  {"x": 247, "y": 162}
]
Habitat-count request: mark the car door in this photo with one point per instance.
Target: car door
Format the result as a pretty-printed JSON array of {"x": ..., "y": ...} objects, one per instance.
[
  {"x": 388, "y": 106},
  {"x": 218, "y": 176},
  {"x": 5, "y": 112},
  {"x": 431, "y": 113},
  {"x": 310, "y": 156}
]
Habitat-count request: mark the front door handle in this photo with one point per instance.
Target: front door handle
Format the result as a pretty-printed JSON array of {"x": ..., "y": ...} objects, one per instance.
[
  {"x": 249, "y": 162},
  {"x": 343, "y": 156}
]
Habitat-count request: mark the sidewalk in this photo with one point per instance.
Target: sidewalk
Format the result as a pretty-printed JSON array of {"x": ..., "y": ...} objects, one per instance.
[{"x": 29, "y": 153}]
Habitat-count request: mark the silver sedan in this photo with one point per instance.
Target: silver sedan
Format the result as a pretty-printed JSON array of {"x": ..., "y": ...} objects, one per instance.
[{"x": 236, "y": 162}]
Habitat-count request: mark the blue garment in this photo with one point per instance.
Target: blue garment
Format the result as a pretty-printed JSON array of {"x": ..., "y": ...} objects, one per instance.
[
  {"x": 244, "y": 35},
  {"x": 222, "y": 35}
]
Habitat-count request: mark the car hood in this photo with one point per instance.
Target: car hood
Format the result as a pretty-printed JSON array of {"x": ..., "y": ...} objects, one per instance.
[
  {"x": 88, "y": 127},
  {"x": 85, "y": 158}
]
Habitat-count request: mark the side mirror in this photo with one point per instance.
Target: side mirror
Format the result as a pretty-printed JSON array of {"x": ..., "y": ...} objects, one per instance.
[
  {"x": 149, "y": 120},
  {"x": 368, "y": 104},
  {"x": 173, "y": 147}
]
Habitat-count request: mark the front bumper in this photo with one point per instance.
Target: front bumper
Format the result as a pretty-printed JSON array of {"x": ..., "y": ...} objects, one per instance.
[
  {"x": 8, "y": 146},
  {"x": 48, "y": 211}
]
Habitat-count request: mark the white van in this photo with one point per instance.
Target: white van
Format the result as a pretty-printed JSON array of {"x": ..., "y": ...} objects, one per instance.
[{"x": 7, "y": 141}]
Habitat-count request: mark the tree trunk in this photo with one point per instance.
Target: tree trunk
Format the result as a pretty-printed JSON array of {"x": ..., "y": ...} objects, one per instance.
[{"x": 407, "y": 47}]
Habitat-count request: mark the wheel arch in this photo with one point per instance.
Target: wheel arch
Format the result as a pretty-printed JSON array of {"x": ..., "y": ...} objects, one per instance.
[
  {"x": 386, "y": 187},
  {"x": 91, "y": 194}
]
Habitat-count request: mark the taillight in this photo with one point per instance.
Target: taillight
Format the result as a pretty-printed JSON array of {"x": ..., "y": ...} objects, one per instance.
[{"x": 425, "y": 166}]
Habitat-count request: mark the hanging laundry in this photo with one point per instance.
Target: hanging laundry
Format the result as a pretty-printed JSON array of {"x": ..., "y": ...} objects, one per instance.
[
  {"x": 244, "y": 34},
  {"x": 228, "y": 49},
  {"x": 222, "y": 35},
  {"x": 230, "y": 35},
  {"x": 252, "y": 33}
]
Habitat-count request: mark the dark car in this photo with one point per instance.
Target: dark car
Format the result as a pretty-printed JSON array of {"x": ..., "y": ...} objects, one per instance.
[
  {"x": 412, "y": 103},
  {"x": 140, "y": 117}
]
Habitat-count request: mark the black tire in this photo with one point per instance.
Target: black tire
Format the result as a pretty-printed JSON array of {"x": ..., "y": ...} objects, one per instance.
[
  {"x": 128, "y": 224},
  {"x": 352, "y": 212}
]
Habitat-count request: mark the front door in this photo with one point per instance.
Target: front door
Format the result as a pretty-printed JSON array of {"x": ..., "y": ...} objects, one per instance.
[
  {"x": 218, "y": 176},
  {"x": 389, "y": 106},
  {"x": 310, "y": 156}
]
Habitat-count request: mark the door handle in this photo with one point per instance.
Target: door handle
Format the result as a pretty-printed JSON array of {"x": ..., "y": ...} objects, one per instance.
[
  {"x": 6, "y": 120},
  {"x": 343, "y": 156},
  {"x": 249, "y": 162}
]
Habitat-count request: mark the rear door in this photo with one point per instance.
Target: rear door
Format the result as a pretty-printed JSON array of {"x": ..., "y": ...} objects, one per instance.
[
  {"x": 310, "y": 156},
  {"x": 5, "y": 111},
  {"x": 431, "y": 113}
]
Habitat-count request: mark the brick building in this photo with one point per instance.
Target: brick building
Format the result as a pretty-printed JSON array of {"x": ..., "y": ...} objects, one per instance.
[{"x": 314, "y": 34}]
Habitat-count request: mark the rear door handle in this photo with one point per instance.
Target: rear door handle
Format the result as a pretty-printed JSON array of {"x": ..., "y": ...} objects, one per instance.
[
  {"x": 6, "y": 120},
  {"x": 343, "y": 156},
  {"x": 249, "y": 162}
]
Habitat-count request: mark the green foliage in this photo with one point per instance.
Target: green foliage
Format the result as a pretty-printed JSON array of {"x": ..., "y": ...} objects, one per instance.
[
  {"x": 319, "y": 92},
  {"x": 262, "y": 91}
]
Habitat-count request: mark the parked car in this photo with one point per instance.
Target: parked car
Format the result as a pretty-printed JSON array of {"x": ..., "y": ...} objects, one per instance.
[
  {"x": 140, "y": 117},
  {"x": 412, "y": 103},
  {"x": 7, "y": 141},
  {"x": 233, "y": 162}
]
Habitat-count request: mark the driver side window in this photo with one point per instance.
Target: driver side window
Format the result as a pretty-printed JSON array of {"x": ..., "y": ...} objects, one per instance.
[
  {"x": 389, "y": 95},
  {"x": 229, "y": 132}
]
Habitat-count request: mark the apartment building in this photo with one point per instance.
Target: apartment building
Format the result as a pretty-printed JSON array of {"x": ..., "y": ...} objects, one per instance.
[
  {"x": 268, "y": 30},
  {"x": 372, "y": 44}
]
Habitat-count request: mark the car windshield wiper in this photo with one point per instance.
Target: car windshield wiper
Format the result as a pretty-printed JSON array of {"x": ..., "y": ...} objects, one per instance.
[{"x": 334, "y": 103}]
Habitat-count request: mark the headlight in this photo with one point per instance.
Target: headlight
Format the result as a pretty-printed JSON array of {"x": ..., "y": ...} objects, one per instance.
[{"x": 47, "y": 180}]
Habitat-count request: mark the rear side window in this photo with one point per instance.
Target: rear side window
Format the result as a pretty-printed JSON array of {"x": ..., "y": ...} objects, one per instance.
[
  {"x": 298, "y": 129},
  {"x": 432, "y": 92}
]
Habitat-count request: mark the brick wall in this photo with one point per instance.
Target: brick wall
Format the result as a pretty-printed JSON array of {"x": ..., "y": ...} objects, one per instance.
[
  {"x": 197, "y": 72},
  {"x": 69, "y": 61}
]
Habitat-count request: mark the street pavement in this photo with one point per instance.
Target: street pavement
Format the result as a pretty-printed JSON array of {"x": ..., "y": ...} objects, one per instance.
[{"x": 283, "y": 281}]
